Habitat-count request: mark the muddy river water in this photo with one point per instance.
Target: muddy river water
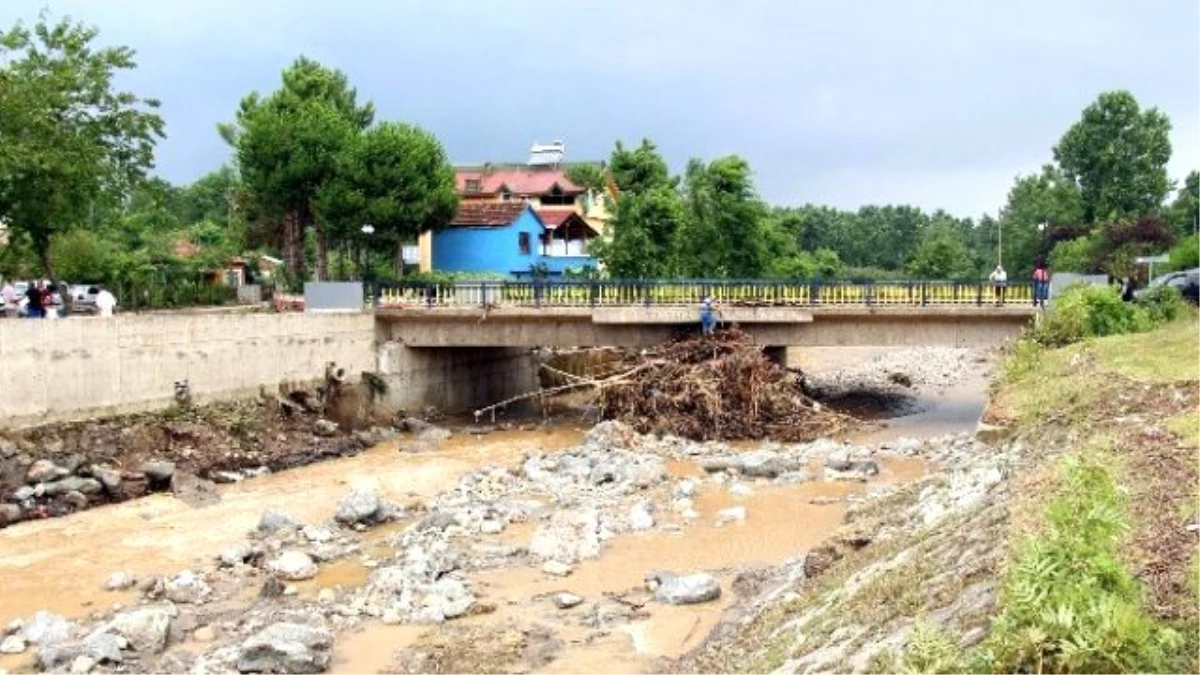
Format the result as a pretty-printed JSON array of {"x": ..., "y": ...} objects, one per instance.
[{"x": 61, "y": 564}]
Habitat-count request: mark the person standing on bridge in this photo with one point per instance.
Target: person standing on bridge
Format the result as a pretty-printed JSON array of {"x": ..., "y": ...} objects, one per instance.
[
  {"x": 1041, "y": 283},
  {"x": 708, "y": 315},
  {"x": 999, "y": 279}
]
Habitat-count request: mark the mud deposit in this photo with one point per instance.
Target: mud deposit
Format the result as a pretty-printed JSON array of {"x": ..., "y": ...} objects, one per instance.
[{"x": 560, "y": 549}]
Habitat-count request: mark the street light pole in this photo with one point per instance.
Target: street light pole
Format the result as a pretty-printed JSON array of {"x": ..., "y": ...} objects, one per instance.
[{"x": 368, "y": 230}]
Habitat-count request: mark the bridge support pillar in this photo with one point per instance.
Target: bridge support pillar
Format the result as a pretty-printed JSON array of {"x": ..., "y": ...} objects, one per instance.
[{"x": 454, "y": 379}]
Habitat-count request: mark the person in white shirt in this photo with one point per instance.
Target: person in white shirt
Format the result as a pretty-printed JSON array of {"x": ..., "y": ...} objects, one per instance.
[
  {"x": 8, "y": 300},
  {"x": 999, "y": 279},
  {"x": 106, "y": 302}
]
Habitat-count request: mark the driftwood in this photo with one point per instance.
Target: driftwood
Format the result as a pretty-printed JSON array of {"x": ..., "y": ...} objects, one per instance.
[{"x": 713, "y": 387}]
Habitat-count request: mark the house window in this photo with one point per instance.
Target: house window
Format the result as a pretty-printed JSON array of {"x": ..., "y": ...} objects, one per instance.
[
  {"x": 524, "y": 243},
  {"x": 473, "y": 185},
  {"x": 505, "y": 195}
]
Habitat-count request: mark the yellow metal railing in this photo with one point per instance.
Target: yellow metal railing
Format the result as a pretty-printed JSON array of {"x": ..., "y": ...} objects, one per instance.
[{"x": 667, "y": 293}]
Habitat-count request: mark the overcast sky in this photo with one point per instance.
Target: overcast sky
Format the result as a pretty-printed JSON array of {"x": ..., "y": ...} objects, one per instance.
[{"x": 934, "y": 103}]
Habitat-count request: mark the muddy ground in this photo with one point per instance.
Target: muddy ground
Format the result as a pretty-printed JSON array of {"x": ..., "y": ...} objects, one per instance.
[{"x": 516, "y": 551}]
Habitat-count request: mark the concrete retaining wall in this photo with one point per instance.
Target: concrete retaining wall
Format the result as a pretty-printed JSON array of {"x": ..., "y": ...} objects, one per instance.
[{"x": 61, "y": 370}]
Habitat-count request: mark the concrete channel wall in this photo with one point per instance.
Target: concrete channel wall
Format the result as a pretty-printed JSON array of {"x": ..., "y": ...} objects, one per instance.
[{"x": 79, "y": 367}]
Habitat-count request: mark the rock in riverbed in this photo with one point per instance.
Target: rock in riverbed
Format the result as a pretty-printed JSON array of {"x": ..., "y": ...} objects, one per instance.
[
  {"x": 689, "y": 589},
  {"x": 294, "y": 566},
  {"x": 286, "y": 648}
]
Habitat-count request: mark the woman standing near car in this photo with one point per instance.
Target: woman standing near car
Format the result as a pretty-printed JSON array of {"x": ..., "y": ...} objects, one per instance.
[{"x": 53, "y": 302}]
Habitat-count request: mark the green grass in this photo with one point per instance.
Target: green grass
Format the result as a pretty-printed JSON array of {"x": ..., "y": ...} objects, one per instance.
[
  {"x": 1169, "y": 354},
  {"x": 1187, "y": 427}
]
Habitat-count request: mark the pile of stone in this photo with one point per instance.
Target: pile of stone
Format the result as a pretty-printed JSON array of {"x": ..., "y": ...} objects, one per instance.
[
  {"x": 894, "y": 372},
  {"x": 70, "y": 483}
]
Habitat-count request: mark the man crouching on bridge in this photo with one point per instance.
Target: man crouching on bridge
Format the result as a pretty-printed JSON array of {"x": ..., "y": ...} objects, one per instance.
[{"x": 708, "y": 315}]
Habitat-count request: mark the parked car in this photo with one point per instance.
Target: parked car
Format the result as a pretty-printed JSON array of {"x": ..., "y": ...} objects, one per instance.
[
  {"x": 83, "y": 297},
  {"x": 1187, "y": 282}
]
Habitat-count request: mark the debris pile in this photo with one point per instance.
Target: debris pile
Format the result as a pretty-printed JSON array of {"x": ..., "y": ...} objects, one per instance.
[{"x": 715, "y": 387}]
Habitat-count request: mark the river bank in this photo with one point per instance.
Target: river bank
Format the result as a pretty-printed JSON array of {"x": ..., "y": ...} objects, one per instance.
[{"x": 473, "y": 531}]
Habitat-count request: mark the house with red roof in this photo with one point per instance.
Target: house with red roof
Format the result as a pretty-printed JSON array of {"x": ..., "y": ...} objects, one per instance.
[
  {"x": 510, "y": 238},
  {"x": 571, "y": 214}
]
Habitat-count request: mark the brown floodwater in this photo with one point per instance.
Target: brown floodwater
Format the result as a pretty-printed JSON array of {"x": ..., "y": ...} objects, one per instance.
[{"x": 61, "y": 564}]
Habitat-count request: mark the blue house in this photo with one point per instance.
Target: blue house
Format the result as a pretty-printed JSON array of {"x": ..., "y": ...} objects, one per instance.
[{"x": 510, "y": 238}]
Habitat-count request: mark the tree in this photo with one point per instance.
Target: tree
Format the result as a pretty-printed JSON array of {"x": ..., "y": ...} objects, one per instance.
[
  {"x": 1184, "y": 213},
  {"x": 941, "y": 255},
  {"x": 722, "y": 234},
  {"x": 639, "y": 169},
  {"x": 287, "y": 148},
  {"x": 642, "y": 235},
  {"x": 1117, "y": 154},
  {"x": 68, "y": 138},
  {"x": 1046, "y": 198},
  {"x": 395, "y": 177}
]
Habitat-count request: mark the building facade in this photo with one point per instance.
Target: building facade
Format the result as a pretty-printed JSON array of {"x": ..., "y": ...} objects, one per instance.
[{"x": 508, "y": 238}]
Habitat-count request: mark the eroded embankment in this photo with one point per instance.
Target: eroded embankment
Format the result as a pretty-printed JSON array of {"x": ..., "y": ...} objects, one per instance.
[{"x": 915, "y": 581}]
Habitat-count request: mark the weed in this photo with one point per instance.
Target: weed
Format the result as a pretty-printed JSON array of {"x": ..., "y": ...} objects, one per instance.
[
  {"x": 1068, "y": 604},
  {"x": 931, "y": 649}
]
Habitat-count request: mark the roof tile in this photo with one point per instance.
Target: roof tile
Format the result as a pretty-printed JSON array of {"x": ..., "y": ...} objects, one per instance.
[{"x": 487, "y": 214}]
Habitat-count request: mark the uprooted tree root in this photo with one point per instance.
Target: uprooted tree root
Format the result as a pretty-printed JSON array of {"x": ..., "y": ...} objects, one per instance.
[{"x": 717, "y": 387}]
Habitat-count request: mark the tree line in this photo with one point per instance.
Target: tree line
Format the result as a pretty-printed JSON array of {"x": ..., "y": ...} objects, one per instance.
[{"x": 310, "y": 165}]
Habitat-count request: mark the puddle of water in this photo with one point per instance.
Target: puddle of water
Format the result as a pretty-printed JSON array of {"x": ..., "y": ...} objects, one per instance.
[
  {"x": 954, "y": 409},
  {"x": 61, "y": 564},
  {"x": 370, "y": 650}
]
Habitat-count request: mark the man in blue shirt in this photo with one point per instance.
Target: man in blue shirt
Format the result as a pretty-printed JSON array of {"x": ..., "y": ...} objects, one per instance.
[{"x": 708, "y": 315}]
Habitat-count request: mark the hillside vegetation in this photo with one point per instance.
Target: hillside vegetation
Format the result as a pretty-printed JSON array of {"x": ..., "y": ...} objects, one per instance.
[{"x": 1075, "y": 552}]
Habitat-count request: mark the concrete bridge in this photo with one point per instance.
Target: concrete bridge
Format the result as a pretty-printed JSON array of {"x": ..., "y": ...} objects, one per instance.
[{"x": 468, "y": 343}]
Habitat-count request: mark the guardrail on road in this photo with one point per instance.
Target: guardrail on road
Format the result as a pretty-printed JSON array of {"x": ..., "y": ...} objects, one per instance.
[{"x": 659, "y": 293}]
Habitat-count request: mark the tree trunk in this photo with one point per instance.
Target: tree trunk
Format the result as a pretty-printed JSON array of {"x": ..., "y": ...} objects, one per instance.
[
  {"x": 293, "y": 246},
  {"x": 322, "y": 273},
  {"x": 399, "y": 261}
]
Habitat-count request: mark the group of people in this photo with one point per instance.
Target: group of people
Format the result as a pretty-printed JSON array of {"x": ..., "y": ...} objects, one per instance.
[
  {"x": 1041, "y": 283},
  {"x": 45, "y": 301}
]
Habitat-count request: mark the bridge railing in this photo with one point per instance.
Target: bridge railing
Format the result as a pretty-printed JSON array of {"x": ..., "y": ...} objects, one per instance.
[{"x": 616, "y": 293}]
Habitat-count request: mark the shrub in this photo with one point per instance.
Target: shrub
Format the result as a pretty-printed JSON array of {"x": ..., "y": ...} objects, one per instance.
[
  {"x": 1084, "y": 311},
  {"x": 1162, "y": 303},
  {"x": 1068, "y": 604}
]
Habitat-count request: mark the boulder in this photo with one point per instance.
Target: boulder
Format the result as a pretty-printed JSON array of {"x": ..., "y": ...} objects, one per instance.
[
  {"x": 324, "y": 427},
  {"x": 235, "y": 554},
  {"x": 186, "y": 587},
  {"x": 741, "y": 490},
  {"x": 286, "y": 648},
  {"x": 359, "y": 506},
  {"x": 87, "y": 486},
  {"x": 293, "y": 566},
  {"x": 10, "y": 513},
  {"x": 146, "y": 628},
  {"x": 120, "y": 580},
  {"x": 763, "y": 464},
  {"x": 556, "y": 568},
  {"x": 838, "y": 460},
  {"x": 686, "y": 589},
  {"x": 44, "y": 470},
  {"x": 13, "y": 644},
  {"x": 640, "y": 517},
  {"x": 317, "y": 534},
  {"x": 449, "y": 597},
  {"x": 25, "y": 492},
  {"x": 158, "y": 471},
  {"x": 567, "y": 600},
  {"x": 46, "y": 628},
  {"x": 75, "y": 499},
  {"x": 99, "y": 647},
  {"x": 110, "y": 479},
  {"x": 273, "y": 521}
]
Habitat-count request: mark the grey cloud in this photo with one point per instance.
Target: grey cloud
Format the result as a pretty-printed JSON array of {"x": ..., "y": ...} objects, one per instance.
[{"x": 938, "y": 103}]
